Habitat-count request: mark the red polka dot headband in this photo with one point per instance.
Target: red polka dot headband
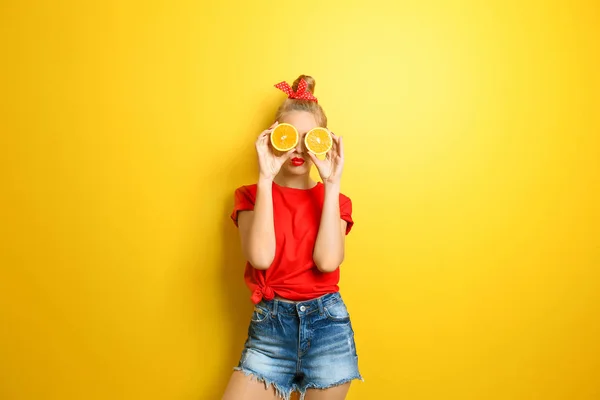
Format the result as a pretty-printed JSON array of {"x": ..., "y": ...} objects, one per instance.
[{"x": 300, "y": 94}]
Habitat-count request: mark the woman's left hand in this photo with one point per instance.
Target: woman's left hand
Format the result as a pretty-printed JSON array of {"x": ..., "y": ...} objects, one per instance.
[{"x": 330, "y": 169}]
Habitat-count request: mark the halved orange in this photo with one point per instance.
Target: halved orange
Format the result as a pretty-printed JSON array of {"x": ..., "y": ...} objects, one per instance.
[
  {"x": 318, "y": 141},
  {"x": 284, "y": 137}
]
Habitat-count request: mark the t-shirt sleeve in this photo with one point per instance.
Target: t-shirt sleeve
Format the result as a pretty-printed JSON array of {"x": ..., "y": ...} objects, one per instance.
[
  {"x": 244, "y": 201},
  {"x": 346, "y": 212}
]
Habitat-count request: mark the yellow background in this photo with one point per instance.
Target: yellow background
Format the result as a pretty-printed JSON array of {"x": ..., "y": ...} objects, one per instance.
[{"x": 471, "y": 132}]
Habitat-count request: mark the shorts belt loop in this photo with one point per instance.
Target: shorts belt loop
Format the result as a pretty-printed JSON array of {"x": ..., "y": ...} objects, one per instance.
[
  {"x": 320, "y": 303},
  {"x": 275, "y": 303}
]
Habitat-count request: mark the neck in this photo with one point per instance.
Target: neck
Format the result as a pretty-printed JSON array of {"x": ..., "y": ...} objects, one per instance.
[{"x": 295, "y": 181}]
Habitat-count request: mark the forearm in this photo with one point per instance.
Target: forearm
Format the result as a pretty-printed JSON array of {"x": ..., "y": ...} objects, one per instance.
[
  {"x": 261, "y": 238},
  {"x": 329, "y": 247}
]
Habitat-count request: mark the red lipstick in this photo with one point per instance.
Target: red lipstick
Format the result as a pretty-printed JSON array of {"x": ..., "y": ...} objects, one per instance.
[{"x": 297, "y": 161}]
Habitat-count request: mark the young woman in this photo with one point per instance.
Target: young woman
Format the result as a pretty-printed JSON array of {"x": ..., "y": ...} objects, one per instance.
[{"x": 292, "y": 231}]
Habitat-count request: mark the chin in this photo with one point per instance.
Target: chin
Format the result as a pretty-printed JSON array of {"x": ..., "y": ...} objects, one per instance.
[{"x": 302, "y": 170}]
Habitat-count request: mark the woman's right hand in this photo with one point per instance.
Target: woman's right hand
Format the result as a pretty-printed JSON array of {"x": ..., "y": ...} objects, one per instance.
[{"x": 269, "y": 162}]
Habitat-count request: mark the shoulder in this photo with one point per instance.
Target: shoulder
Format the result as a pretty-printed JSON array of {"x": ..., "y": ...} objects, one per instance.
[
  {"x": 246, "y": 192},
  {"x": 344, "y": 199},
  {"x": 247, "y": 189},
  {"x": 345, "y": 206},
  {"x": 319, "y": 191}
]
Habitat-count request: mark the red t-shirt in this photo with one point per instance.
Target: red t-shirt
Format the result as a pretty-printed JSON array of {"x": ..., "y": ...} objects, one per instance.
[{"x": 293, "y": 274}]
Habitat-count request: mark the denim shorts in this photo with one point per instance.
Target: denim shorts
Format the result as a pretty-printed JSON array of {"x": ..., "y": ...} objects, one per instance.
[{"x": 295, "y": 346}]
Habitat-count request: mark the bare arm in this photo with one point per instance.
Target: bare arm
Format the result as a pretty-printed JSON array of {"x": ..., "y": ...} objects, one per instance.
[
  {"x": 257, "y": 230},
  {"x": 329, "y": 247}
]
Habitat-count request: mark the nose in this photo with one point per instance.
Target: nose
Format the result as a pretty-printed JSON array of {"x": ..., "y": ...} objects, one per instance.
[{"x": 300, "y": 146}]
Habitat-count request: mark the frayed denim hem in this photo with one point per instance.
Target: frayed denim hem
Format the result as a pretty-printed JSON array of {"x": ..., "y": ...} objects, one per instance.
[
  {"x": 280, "y": 392},
  {"x": 343, "y": 381}
]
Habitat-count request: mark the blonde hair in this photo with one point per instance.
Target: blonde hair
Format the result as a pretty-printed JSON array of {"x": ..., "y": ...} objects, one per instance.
[{"x": 312, "y": 107}]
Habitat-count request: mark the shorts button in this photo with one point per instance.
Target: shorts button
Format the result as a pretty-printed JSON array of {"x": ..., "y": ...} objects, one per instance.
[{"x": 302, "y": 308}]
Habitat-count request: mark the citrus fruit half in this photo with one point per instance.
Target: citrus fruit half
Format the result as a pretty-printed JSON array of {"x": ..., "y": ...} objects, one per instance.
[
  {"x": 318, "y": 141},
  {"x": 284, "y": 137}
]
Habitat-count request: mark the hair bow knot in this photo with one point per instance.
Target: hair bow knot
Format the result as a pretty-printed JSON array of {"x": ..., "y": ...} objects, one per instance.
[{"x": 300, "y": 94}]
